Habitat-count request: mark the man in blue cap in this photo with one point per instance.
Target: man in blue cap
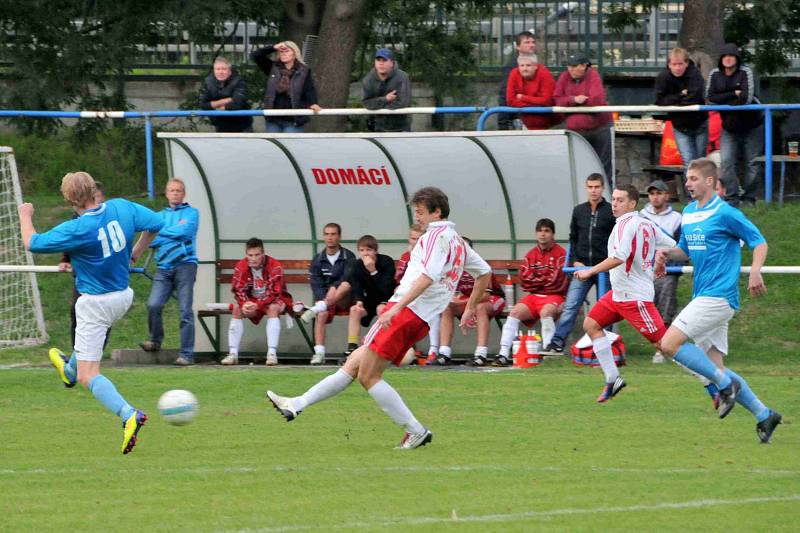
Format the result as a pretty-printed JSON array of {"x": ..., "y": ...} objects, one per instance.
[{"x": 387, "y": 87}]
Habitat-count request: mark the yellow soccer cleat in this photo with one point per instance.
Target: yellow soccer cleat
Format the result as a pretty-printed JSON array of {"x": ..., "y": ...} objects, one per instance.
[
  {"x": 59, "y": 361},
  {"x": 130, "y": 428}
]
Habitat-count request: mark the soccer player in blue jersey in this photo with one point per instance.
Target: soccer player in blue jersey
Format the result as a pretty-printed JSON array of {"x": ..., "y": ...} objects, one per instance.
[
  {"x": 100, "y": 244},
  {"x": 710, "y": 236}
]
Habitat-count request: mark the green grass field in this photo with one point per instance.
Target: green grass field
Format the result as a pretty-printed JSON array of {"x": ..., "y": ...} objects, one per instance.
[{"x": 513, "y": 451}]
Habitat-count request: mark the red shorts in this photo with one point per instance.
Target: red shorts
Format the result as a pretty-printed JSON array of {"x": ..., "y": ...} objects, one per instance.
[
  {"x": 285, "y": 300},
  {"x": 393, "y": 342},
  {"x": 641, "y": 315},
  {"x": 536, "y": 302}
]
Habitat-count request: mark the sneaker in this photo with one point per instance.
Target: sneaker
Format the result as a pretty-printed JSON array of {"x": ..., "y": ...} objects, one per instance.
[
  {"x": 59, "y": 361},
  {"x": 553, "y": 349},
  {"x": 766, "y": 427},
  {"x": 283, "y": 406},
  {"x": 130, "y": 430},
  {"x": 414, "y": 440},
  {"x": 478, "y": 360},
  {"x": 230, "y": 359},
  {"x": 611, "y": 390},
  {"x": 727, "y": 397},
  {"x": 272, "y": 359},
  {"x": 150, "y": 346},
  {"x": 658, "y": 358},
  {"x": 440, "y": 360},
  {"x": 318, "y": 358},
  {"x": 501, "y": 360},
  {"x": 308, "y": 316},
  {"x": 183, "y": 361}
]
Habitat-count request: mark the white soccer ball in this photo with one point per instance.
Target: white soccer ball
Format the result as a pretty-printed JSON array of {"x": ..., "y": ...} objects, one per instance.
[{"x": 178, "y": 407}]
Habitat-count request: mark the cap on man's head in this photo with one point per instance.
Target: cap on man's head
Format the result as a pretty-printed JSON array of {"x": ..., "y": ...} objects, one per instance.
[
  {"x": 578, "y": 59},
  {"x": 384, "y": 53},
  {"x": 658, "y": 185}
]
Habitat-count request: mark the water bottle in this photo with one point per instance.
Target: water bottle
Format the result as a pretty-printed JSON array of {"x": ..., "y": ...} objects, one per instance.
[{"x": 508, "y": 292}]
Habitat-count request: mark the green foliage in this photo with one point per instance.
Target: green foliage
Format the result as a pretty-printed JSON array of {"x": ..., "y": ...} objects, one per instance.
[{"x": 775, "y": 28}]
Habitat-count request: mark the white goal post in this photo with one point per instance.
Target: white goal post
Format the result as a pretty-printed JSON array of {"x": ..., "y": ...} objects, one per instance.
[{"x": 21, "y": 318}]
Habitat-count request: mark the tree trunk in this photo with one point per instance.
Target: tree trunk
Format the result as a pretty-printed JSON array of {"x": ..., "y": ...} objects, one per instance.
[
  {"x": 338, "y": 39},
  {"x": 701, "y": 32},
  {"x": 301, "y": 18}
]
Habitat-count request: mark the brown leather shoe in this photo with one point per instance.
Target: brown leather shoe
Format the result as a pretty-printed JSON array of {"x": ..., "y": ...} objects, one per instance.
[{"x": 150, "y": 346}]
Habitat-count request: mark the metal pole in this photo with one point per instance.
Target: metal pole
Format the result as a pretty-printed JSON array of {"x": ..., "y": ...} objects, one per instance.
[
  {"x": 148, "y": 148},
  {"x": 767, "y": 156}
]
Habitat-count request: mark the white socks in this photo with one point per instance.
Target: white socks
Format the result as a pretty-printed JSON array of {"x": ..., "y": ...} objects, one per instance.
[
  {"x": 548, "y": 330},
  {"x": 482, "y": 351},
  {"x": 602, "y": 349},
  {"x": 319, "y": 307},
  {"x": 330, "y": 386},
  {"x": 273, "y": 334},
  {"x": 319, "y": 348},
  {"x": 433, "y": 334},
  {"x": 510, "y": 329},
  {"x": 235, "y": 330},
  {"x": 445, "y": 351},
  {"x": 393, "y": 405}
]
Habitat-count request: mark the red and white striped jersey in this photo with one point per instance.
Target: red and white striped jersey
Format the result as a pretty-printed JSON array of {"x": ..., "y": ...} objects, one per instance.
[
  {"x": 634, "y": 241},
  {"x": 442, "y": 255}
]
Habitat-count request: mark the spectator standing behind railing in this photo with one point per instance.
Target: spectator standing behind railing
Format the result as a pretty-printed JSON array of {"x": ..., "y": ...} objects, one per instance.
[
  {"x": 387, "y": 87},
  {"x": 289, "y": 85},
  {"x": 525, "y": 44},
  {"x": 733, "y": 83},
  {"x": 581, "y": 85},
  {"x": 681, "y": 83},
  {"x": 529, "y": 85},
  {"x": 224, "y": 90}
]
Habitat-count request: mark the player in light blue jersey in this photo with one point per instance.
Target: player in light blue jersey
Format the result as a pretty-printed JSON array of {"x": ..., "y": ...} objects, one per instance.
[
  {"x": 100, "y": 244},
  {"x": 711, "y": 232}
]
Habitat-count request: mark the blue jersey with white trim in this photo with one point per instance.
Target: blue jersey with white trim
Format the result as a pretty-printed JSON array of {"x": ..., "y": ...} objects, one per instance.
[
  {"x": 99, "y": 243},
  {"x": 710, "y": 236}
]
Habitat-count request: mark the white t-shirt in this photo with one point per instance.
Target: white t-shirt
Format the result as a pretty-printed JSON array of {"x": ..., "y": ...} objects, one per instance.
[
  {"x": 333, "y": 258},
  {"x": 634, "y": 241},
  {"x": 442, "y": 255}
]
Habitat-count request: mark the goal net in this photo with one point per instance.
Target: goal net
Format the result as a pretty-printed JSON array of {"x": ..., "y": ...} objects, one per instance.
[{"x": 21, "y": 319}]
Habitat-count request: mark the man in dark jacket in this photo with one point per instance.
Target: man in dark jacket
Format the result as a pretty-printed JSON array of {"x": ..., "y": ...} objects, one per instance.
[
  {"x": 223, "y": 90},
  {"x": 524, "y": 44},
  {"x": 589, "y": 229},
  {"x": 329, "y": 285},
  {"x": 733, "y": 83},
  {"x": 387, "y": 87},
  {"x": 372, "y": 283},
  {"x": 680, "y": 84}
]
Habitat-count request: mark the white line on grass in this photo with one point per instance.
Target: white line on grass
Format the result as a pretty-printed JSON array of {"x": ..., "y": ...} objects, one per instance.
[{"x": 528, "y": 515}]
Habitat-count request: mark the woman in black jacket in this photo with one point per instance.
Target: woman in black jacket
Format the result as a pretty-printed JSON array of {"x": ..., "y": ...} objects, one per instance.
[
  {"x": 289, "y": 85},
  {"x": 681, "y": 84}
]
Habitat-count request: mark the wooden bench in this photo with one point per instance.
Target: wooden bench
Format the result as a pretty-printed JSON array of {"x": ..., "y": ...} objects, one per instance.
[{"x": 296, "y": 273}]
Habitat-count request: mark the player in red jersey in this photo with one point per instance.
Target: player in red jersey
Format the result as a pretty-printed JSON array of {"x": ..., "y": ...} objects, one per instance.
[
  {"x": 630, "y": 263},
  {"x": 259, "y": 289},
  {"x": 437, "y": 262}
]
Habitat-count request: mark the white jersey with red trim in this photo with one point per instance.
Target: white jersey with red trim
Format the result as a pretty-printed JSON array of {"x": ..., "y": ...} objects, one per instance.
[
  {"x": 634, "y": 241},
  {"x": 442, "y": 255}
]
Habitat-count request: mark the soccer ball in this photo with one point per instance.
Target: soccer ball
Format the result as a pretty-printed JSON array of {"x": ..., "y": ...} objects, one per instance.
[{"x": 178, "y": 407}]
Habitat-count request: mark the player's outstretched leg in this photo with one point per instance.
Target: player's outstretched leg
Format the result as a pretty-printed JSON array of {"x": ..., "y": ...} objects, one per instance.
[
  {"x": 694, "y": 358},
  {"x": 766, "y": 419},
  {"x": 290, "y": 408},
  {"x": 106, "y": 393},
  {"x": 67, "y": 368}
]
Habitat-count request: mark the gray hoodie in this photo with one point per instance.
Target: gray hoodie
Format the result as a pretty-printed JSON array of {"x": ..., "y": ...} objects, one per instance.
[{"x": 668, "y": 221}]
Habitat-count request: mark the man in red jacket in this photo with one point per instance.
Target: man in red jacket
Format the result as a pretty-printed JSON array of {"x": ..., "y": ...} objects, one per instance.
[
  {"x": 529, "y": 85},
  {"x": 581, "y": 85},
  {"x": 260, "y": 290}
]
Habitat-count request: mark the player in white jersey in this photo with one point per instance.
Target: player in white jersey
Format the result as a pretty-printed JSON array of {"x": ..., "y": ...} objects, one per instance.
[
  {"x": 631, "y": 258},
  {"x": 437, "y": 262}
]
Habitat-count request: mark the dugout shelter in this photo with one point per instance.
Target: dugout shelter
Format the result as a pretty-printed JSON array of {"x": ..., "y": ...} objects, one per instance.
[{"x": 283, "y": 188}]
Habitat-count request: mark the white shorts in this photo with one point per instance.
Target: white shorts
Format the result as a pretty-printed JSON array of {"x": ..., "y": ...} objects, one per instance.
[
  {"x": 94, "y": 314},
  {"x": 705, "y": 321}
]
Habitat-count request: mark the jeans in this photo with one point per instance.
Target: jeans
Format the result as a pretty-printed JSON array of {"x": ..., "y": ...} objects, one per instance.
[
  {"x": 181, "y": 280},
  {"x": 576, "y": 295},
  {"x": 280, "y": 126},
  {"x": 732, "y": 146},
  {"x": 600, "y": 139},
  {"x": 692, "y": 143}
]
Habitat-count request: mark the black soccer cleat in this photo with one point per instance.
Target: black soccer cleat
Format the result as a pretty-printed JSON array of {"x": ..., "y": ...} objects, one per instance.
[
  {"x": 727, "y": 397},
  {"x": 439, "y": 361},
  {"x": 501, "y": 361},
  {"x": 476, "y": 361},
  {"x": 766, "y": 427}
]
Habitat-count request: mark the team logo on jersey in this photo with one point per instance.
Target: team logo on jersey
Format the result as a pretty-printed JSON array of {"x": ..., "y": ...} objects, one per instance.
[
  {"x": 351, "y": 176},
  {"x": 695, "y": 239}
]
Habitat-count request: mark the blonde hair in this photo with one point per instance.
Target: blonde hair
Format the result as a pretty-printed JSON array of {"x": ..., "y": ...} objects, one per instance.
[
  {"x": 78, "y": 188},
  {"x": 298, "y": 55},
  {"x": 416, "y": 227},
  {"x": 679, "y": 52},
  {"x": 220, "y": 59},
  {"x": 175, "y": 180},
  {"x": 706, "y": 167}
]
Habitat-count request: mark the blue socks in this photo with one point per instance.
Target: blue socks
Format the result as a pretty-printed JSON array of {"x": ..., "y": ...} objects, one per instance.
[
  {"x": 693, "y": 358},
  {"x": 105, "y": 391},
  {"x": 712, "y": 390},
  {"x": 748, "y": 399},
  {"x": 71, "y": 368}
]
